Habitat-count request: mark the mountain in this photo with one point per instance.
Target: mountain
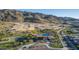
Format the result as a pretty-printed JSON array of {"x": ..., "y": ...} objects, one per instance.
[{"x": 10, "y": 15}]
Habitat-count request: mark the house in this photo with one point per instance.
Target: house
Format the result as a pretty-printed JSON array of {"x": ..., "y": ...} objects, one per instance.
[
  {"x": 20, "y": 39},
  {"x": 43, "y": 37},
  {"x": 76, "y": 41}
]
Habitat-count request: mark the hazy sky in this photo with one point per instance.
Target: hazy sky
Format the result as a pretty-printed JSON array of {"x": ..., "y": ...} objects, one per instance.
[{"x": 58, "y": 12}]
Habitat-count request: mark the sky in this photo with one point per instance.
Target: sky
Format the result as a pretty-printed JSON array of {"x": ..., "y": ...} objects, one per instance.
[{"x": 58, "y": 12}]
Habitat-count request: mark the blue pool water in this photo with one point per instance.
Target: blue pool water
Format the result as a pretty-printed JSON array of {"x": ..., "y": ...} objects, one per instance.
[{"x": 45, "y": 34}]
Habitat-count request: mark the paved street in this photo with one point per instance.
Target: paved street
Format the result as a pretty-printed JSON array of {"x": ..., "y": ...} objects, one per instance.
[
  {"x": 61, "y": 39},
  {"x": 44, "y": 44}
]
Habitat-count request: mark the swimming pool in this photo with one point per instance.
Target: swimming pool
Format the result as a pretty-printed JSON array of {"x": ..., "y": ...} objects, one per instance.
[{"x": 44, "y": 34}]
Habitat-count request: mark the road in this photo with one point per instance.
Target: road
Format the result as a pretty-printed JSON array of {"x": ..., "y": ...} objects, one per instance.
[
  {"x": 10, "y": 40},
  {"x": 47, "y": 45},
  {"x": 27, "y": 46},
  {"x": 61, "y": 38},
  {"x": 67, "y": 38}
]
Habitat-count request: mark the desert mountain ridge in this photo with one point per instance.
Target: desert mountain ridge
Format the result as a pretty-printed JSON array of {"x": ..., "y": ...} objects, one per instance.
[{"x": 11, "y": 15}]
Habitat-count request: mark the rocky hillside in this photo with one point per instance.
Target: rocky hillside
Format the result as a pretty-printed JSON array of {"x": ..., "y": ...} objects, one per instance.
[
  {"x": 23, "y": 16},
  {"x": 11, "y": 15}
]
